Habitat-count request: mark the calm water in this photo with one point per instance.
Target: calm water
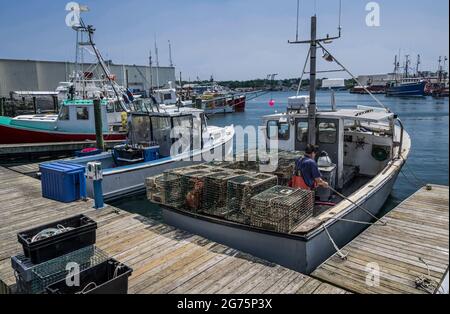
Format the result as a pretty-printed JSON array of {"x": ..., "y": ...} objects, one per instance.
[{"x": 425, "y": 119}]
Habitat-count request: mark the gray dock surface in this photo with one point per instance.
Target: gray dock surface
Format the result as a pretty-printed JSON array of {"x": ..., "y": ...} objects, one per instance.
[
  {"x": 164, "y": 259},
  {"x": 416, "y": 238}
]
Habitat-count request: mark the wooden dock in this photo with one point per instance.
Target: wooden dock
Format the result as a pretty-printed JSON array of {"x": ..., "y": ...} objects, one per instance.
[
  {"x": 416, "y": 238},
  {"x": 164, "y": 259},
  {"x": 49, "y": 148}
]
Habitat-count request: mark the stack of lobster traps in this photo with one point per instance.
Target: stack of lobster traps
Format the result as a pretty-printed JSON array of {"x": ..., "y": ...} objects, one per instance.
[
  {"x": 215, "y": 192},
  {"x": 241, "y": 189},
  {"x": 281, "y": 208}
]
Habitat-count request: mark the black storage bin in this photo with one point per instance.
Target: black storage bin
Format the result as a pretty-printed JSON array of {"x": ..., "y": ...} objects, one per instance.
[
  {"x": 80, "y": 232},
  {"x": 109, "y": 277}
]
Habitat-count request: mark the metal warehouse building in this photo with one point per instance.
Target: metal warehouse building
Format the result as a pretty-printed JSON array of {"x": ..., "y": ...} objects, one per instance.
[{"x": 29, "y": 75}]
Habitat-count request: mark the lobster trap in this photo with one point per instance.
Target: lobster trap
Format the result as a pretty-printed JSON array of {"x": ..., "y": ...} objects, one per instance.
[
  {"x": 241, "y": 189},
  {"x": 33, "y": 279},
  {"x": 286, "y": 166},
  {"x": 281, "y": 208},
  {"x": 215, "y": 192},
  {"x": 192, "y": 185}
]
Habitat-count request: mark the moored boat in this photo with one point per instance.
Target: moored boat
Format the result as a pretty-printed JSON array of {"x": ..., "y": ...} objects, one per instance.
[
  {"x": 127, "y": 166},
  {"x": 408, "y": 87},
  {"x": 363, "y": 150},
  {"x": 75, "y": 122}
]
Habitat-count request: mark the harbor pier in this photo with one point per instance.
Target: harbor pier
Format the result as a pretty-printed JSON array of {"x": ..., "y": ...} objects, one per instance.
[{"x": 164, "y": 259}]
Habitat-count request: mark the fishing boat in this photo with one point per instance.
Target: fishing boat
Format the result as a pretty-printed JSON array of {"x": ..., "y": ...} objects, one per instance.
[
  {"x": 407, "y": 87},
  {"x": 365, "y": 150},
  {"x": 74, "y": 123},
  {"x": 404, "y": 85},
  {"x": 151, "y": 148}
]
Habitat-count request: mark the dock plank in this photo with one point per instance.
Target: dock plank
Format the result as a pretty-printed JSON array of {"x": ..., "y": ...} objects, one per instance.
[{"x": 414, "y": 244}]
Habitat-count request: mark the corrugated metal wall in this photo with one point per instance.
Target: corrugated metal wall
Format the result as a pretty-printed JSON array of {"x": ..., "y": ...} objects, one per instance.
[{"x": 23, "y": 75}]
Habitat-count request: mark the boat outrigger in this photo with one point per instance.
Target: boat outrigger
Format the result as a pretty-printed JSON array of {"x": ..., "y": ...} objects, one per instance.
[{"x": 364, "y": 149}]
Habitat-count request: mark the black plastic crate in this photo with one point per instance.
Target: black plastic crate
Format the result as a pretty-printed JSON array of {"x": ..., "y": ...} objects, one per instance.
[
  {"x": 109, "y": 277},
  {"x": 50, "y": 241}
]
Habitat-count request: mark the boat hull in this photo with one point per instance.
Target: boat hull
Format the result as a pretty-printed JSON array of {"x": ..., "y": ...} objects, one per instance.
[
  {"x": 302, "y": 253},
  {"x": 407, "y": 90},
  {"x": 12, "y": 135}
]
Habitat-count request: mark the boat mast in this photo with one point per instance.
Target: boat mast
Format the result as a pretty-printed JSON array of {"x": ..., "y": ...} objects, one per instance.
[
  {"x": 312, "y": 110},
  {"x": 313, "y": 42},
  {"x": 407, "y": 66},
  {"x": 150, "y": 63},
  {"x": 419, "y": 62}
]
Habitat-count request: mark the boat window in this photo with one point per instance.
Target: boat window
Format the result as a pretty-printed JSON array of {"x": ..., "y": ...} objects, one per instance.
[
  {"x": 302, "y": 132},
  {"x": 282, "y": 128},
  {"x": 140, "y": 129},
  {"x": 118, "y": 106},
  {"x": 64, "y": 113},
  {"x": 82, "y": 113},
  {"x": 167, "y": 96},
  {"x": 110, "y": 107},
  {"x": 184, "y": 122},
  {"x": 327, "y": 132},
  {"x": 159, "y": 123}
]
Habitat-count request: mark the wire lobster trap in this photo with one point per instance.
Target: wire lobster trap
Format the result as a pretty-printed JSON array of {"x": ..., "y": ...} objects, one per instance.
[
  {"x": 215, "y": 192},
  {"x": 33, "y": 279},
  {"x": 155, "y": 189},
  {"x": 192, "y": 186},
  {"x": 281, "y": 208},
  {"x": 241, "y": 189},
  {"x": 286, "y": 165}
]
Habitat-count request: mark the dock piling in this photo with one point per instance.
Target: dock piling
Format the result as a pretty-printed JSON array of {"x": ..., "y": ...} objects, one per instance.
[{"x": 98, "y": 124}]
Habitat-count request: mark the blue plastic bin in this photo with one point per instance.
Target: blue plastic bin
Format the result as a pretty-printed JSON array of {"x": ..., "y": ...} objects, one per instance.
[
  {"x": 63, "y": 182},
  {"x": 151, "y": 153}
]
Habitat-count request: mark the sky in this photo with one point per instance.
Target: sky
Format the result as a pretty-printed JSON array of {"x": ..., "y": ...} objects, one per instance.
[{"x": 230, "y": 39}]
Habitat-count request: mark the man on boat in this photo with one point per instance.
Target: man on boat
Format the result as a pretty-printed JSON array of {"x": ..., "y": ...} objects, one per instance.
[{"x": 307, "y": 174}]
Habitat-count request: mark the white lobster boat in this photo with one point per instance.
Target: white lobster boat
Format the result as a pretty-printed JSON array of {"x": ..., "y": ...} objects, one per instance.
[{"x": 368, "y": 148}]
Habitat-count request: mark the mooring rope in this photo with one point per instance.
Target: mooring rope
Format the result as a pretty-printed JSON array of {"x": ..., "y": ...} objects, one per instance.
[
  {"x": 340, "y": 253},
  {"x": 426, "y": 283},
  {"x": 360, "y": 207}
]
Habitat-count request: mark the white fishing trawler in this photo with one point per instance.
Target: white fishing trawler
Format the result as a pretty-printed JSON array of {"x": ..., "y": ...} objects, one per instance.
[{"x": 364, "y": 149}]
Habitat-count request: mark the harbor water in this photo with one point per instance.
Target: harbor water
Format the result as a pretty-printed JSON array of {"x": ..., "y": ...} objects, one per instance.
[{"x": 425, "y": 119}]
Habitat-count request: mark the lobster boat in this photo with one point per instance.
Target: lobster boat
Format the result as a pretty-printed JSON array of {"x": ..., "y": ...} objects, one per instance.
[
  {"x": 74, "y": 123},
  {"x": 254, "y": 210}
]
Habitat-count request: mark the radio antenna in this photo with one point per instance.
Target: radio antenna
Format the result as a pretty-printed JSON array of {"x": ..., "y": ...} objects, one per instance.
[
  {"x": 340, "y": 17},
  {"x": 298, "y": 17}
]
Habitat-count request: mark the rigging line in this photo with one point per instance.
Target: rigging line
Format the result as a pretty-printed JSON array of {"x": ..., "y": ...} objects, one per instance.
[
  {"x": 415, "y": 185},
  {"x": 341, "y": 254},
  {"x": 414, "y": 175},
  {"x": 354, "y": 77},
  {"x": 422, "y": 182},
  {"x": 303, "y": 72},
  {"x": 358, "y": 206}
]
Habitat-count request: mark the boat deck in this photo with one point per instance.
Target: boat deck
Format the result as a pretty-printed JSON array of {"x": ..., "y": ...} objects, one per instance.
[
  {"x": 164, "y": 259},
  {"x": 417, "y": 234}
]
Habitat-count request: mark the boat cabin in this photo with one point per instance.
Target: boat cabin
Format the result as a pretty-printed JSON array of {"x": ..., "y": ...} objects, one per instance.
[
  {"x": 75, "y": 116},
  {"x": 360, "y": 142},
  {"x": 163, "y": 128}
]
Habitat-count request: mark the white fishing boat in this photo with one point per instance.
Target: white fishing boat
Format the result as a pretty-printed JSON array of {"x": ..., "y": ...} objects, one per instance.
[
  {"x": 367, "y": 148},
  {"x": 150, "y": 148}
]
